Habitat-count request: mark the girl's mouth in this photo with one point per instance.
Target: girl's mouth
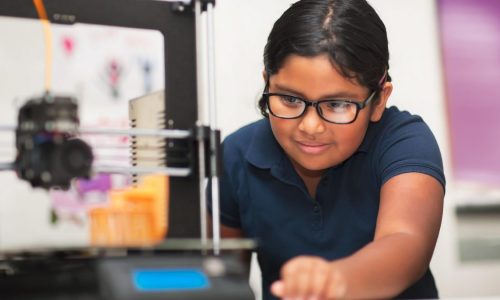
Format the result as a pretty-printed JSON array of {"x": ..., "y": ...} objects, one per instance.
[{"x": 312, "y": 148}]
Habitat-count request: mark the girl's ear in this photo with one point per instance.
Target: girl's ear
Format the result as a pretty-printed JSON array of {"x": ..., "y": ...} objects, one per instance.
[
  {"x": 379, "y": 105},
  {"x": 264, "y": 75}
]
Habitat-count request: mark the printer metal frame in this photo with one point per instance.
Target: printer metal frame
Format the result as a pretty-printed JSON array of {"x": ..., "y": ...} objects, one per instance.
[{"x": 175, "y": 20}]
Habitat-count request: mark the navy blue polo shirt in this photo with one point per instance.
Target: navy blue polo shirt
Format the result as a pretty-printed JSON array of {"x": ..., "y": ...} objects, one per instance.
[{"x": 262, "y": 194}]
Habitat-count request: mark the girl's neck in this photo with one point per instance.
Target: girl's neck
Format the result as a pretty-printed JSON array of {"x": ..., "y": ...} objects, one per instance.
[{"x": 311, "y": 178}]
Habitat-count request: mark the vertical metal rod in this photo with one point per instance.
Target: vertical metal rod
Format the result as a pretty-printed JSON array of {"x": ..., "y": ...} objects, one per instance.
[
  {"x": 203, "y": 198},
  {"x": 213, "y": 125},
  {"x": 201, "y": 122}
]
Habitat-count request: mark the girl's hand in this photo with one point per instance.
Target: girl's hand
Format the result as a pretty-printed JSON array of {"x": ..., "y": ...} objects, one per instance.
[{"x": 310, "y": 278}]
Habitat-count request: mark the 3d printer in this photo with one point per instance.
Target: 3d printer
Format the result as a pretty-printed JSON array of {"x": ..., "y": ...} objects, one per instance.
[{"x": 50, "y": 154}]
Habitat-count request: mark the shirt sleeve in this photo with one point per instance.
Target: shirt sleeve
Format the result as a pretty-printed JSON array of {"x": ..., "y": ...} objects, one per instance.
[
  {"x": 229, "y": 208},
  {"x": 407, "y": 147}
]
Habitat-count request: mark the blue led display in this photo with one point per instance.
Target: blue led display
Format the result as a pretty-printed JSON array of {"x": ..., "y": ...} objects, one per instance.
[{"x": 165, "y": 280}]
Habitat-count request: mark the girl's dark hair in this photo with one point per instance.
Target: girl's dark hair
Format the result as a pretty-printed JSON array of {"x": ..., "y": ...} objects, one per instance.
[{"x": 350, "y": 32}]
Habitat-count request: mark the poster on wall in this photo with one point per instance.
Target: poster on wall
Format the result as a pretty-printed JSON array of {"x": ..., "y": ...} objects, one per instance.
[{"x": 105, "y": 67}]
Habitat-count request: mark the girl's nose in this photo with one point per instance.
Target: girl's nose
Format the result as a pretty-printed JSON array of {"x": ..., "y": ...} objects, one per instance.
[{"x": 311, "y": 123}]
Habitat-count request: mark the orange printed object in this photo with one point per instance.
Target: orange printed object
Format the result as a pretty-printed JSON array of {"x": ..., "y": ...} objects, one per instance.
[{"x": 136, "y": 216}]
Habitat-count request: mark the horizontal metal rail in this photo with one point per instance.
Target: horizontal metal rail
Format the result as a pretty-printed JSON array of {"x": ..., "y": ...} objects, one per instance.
[
  {"x": 177, "y": 172},
  {"x": 166, "y": 133}
]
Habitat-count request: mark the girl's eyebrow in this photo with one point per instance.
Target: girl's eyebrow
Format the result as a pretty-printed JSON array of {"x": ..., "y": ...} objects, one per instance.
[{"x": 341, "y": 94}]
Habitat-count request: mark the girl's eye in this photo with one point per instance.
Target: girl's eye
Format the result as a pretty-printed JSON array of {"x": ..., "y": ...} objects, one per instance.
[
  {"x": 338, "y": 106},
  {"x": 289, "y": 99}
]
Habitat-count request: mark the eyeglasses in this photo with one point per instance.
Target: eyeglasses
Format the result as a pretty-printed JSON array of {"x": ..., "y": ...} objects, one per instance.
[{"x": 334, "y": 111}]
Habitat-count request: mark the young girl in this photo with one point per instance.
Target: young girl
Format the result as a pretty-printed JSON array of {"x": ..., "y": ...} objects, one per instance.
[{"x": 343, "y": 195}]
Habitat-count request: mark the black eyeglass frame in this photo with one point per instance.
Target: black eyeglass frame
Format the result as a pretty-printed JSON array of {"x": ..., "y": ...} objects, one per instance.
[{"x": 315, "y": 104}]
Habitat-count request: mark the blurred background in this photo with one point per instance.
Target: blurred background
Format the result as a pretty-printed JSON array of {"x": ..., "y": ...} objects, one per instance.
[{"x": 445, "y": 65}]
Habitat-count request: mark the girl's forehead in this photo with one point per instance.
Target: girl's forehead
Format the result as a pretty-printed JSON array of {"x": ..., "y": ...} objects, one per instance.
[
  {"x": 316, "y": 66},
  {"x": 316, "y": 75}
]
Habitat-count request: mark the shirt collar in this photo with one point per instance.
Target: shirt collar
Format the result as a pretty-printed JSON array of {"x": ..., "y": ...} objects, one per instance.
[
  {"x": 372, "y": 132},
  {"x": 264, "y": 151},
  {"x": 368, "y": 139}
]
